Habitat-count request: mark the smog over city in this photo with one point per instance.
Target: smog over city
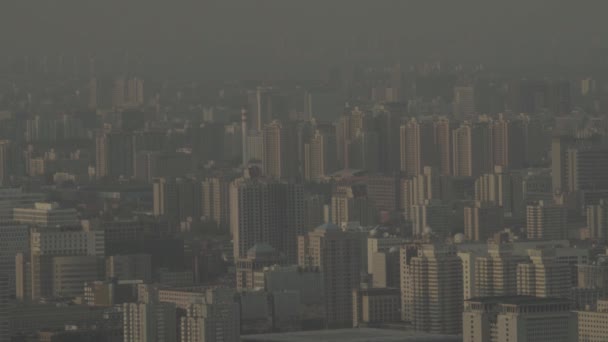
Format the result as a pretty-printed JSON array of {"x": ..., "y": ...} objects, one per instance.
[{"x": 290, "y": 171}]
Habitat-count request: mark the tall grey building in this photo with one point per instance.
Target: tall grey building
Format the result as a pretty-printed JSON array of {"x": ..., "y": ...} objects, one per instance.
[{"x": 266, "y": 211}]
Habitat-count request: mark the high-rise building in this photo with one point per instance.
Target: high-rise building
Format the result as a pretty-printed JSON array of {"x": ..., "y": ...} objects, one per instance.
[
  {"x": 320, "y": 156},
  {"x": 349, "y": 205},
  {"x": 135, "y": 92},
  {"x": 114, "y": 155},
  {"x": 129, "y": 267},
  {"x": 432, "y": 296},
  {"x": 496, "y": 273},
  {"x": 383, "y": 191},
  {"x": 587, "y": 168},
  {"x": 261, "y": 107},
  {"x": 178, "y": 199},
  {"x": 118, "y": 92},
  {"x": 259, "y": 256},
  {"x": 216, "y": 319},
  {"x": 418, "y": 189},
  {"x": 14, "y": 239},
  {"x": 471, "y": 150},
  {"x": 518, "y": 319},
  {"x": 508, "y": 143},
  {"x": 37, "y": 271},
  {"x": 375, "y": 306},
  {"x": 544, "y": 276},
  {"x": 70, "y": 273},
  {"x": 11, "y": 198},
  {"x": 387, "y": 126},
  {"x": 266, "y": 211},
  {"x": 443, "y": 145},
  {"x": 482, "y": 220},
  {"x": 363, "y": 152},
  {"x": 5, "y": 295},
  {"x": 7, "y": 161},
  {"x": 337, "y": 254},
  {"x": 561, "y": 166},
  {"x": 431, "y": 216},
  {"x": 593, "y": 324},
  {"x": 597, "y": 220},
  {"x": 216, "y": 201},
  {"x": 417, "y": 146},
  {"x": 503, "y": 189},
  {"x": 546, "y": 221},
  {"x": 278, "y": 159},
  {"x": 149, "y": 322},
  {"x": 468, "y": 274},
  {"x": 255, "y": 146},
  {"x": 464, "y": 101}
]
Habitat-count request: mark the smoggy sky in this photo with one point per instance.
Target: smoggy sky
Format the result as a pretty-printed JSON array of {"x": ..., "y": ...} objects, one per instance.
[{"x": 273, "y": 33}]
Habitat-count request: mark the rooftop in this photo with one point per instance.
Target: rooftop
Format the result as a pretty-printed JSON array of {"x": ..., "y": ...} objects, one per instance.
[
  {"x": 517, "y": 300},
  {"x": 352, "y": 335}
]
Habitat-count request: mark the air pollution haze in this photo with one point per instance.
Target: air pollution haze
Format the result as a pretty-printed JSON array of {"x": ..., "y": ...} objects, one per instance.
[{"x": 303, "y": 36}]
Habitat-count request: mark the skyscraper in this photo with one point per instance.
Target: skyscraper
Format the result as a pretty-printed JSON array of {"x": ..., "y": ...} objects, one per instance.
[
  {"x": 279, "y": 159},
  {"x": 216, "y": 201},
  {"x": 417, "y": 146},
  {"x": 471, "y": 150},
  {"x": 320, "y": 156},
  {"x": 432, "y": 288},
  {"x": 508, "y": 143},
  {"x": 337, "y": 255},
  {"x": 261, "y": 108},
  {"x": 266, "y": 211},
  {"x": 443, "y": 145}
]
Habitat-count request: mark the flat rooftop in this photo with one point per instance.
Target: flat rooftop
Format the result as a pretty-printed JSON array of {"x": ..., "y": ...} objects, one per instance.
[
  {"x": 352, "y": 335},
  {"x": 517, "y": 300}
]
